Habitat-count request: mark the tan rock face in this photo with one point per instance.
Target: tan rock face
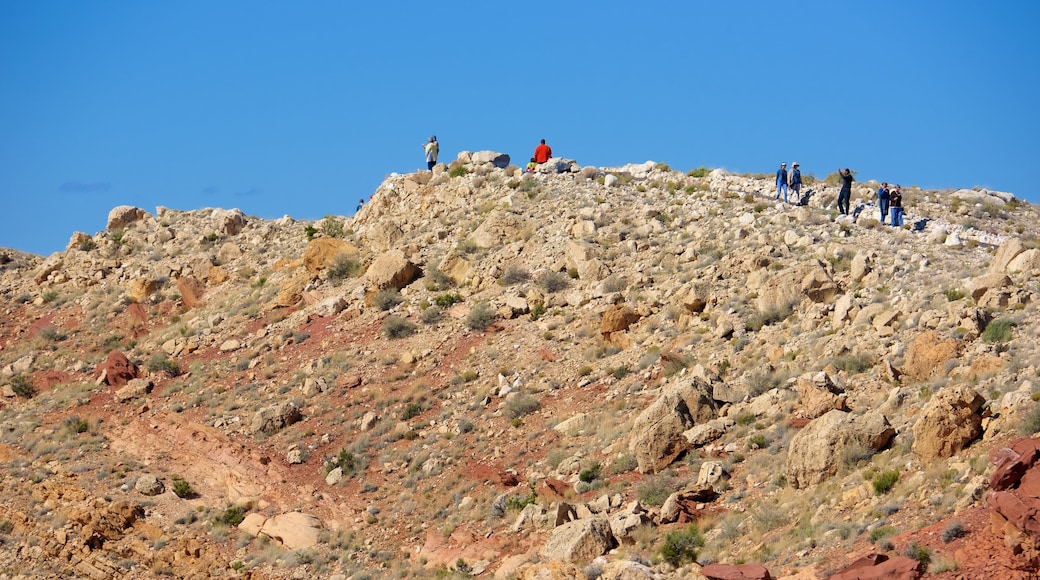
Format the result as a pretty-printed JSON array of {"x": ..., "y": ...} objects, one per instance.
[
  {"x": 579, "y": 541},
  {"x": 191, "y": 291},
  {"x": 927, "y": 353},
  {"x": 818, "y": 449},
  {"x": 618, "y": 319},
  {"x": 322, "y": 253},
  {"x": 391, "y": 270},
  {"x": 657, "y": 434},
  {"x": 948, "y": 423},
  {"x": 123, "y": 215}
]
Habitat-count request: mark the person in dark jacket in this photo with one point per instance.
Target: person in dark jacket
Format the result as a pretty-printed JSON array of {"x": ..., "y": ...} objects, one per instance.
[
  {"x": 796, "y": 182},
  {"x": 896, "y": 206},
  {"x": 781, "y": 182},
  {"x": 882, "y": 200},
  {"x": 846, "y": 190}
]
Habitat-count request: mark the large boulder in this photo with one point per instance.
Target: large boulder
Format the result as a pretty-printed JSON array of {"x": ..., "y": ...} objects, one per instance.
[
  {"x": 817, "y": 450},
  {"x": 880, "y": 567},
  {"x": 1005, "y": 254},
  {"x": 116, "y": 370},
  {"x": 499, "y": 160},
  {"x": 948, "y": 423},
  {"x": 736, "y": 572},
  {"x": 124, "y": 215},
  {"x": 579, "y": 541},
  {"x": 927, "y": 353},
  {"x": 1028, "y": 261},
  {"x": 191, "y": 290},
  {"x": 986, "y": 282},
  {"x": 323, "y": 252},
  {"x": 291, "y": 530},
  {"x": 499, "y": 228},
  {"x": 617, "y": 319},
  {"x": 657, "y": 433},
  {"x": 391, "y": 270},
  {"x": 228, "y": 221},
  {"x": 275, "y": 418}
]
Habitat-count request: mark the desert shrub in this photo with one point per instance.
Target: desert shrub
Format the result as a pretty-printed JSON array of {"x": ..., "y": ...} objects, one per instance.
[
  {"x": 431, "y": 314},
  {"x": 953, "y": 294},
  {"x": 51, "y": 333},
  {"x": 232, "y": 516},
  {"x": 344, "y": 265},
  {"x": 590, "y": 473},
  {"x": 446, "y": 300},
  {"x": 519, "y": 502},
  {"x": 181, "y": 488},
  {"x": 437, "y": 280},
  {"x": 332, "y": 227},
  {"x": 411, "y": 410},
  {"x": 49, "y": 296},
  {"x": 521, "y": 404},
  {"x": 22, "y": 386},
  {"x": 514, "y": 274},
  {"x": 701, "y": 171},
  {"x": 757, "y": 441},
  {"x": 397, "y": 327},
  {"x": 346, "y": 461},
  {"x": 756, "y": 321},
  {"x": 920, "y": 553},
  {"x": 764, "y": 379},
  {"x": 160, "y": 363},
  {"x": 74, "y": 424},
  {"x": 458, "y": 171},
  {"x": 553, "y": 281},
  {"x": 884, "y": 481},
  {"x": 1030, "y": 422},
  {"x": 87, "y": 245},
  {"x": 614, "y": 283},
  {"x": 881, "y": 533},
  {"x": 680, "y": 547},
  {"x": 480, "y": 316},
  {"x": 673, "y": 363},
  {"x": 953, "y": 531},
  {"x": 655, "y": 490},
  {"x": 387, "y": 299},
  {"x": 623, "y": 464},
  {"x": 853, "y": 363},
  {"x": 998, "y": 330}
]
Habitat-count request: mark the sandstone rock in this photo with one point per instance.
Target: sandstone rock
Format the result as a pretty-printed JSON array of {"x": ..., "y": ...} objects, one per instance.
[
  {"x": 1007, "y": 252},
  {"x": 148, "y": 484},
  {"x": 1028, "y": 261},
  {"x": 124, "y": 215},
  {"x": 657, "y": 433},
  {"x": 116, "y": 370},
  {"x": 290, "y": 292},
  {"x": 948, "y": 423},
  {"x": 817, "y": 450},
  {"x": 880, "y": 567},
  {"x": 227, "y": 253},
  {"x": 229, "y": 221},
  {"x": 579, "y": 541},
  {"x": 134, "y": 389},
  {"x": 391, "y": 270},
  {"x": 982, "y": 284},
  {"x": 927, "y": 353},
  {"x": 618, "y": 319},
  {"x": 629, "y": 570},
  {"x": 142, "y": 288},
  {"x": 275, "y": 418},
  {"x": 191, "y": 291},
  {"x": 323, "y": 252},
  {"x": 77, "y": 240},
  {"x": 499, "y": 160},
  {"x": 293, "y": 530},
  {"x": 736, "y": 572}
]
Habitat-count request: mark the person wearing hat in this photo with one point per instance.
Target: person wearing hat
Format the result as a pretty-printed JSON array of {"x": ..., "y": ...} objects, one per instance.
[
  {"x": 781, "y": 182},
  {"x": 431, "y": 148},
  {"x": 796, "y": 183}
]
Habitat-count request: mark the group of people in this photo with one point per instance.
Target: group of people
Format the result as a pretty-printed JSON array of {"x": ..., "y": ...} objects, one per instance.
[
  {"x": 431, "y": 148},
  {"x": 890, "y": 200},
  {"x": 792, "y": 181}
]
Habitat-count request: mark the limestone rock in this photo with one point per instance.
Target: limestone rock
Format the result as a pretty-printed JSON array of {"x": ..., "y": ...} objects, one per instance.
[
  {"x": 579, "y": 541},
  {"x": 948, "y": 423},
  {"x": 229, "y": 221},
  {"x": 657, "y": 433},
  {"x": 499, "y": 160},
  {"x": 817, "y": 450},
  {"x": 1028, "y": 262},
  {"x": 736, "y": 572},
  {"x": 275, "y": 418},
  {"x": 293, "y": 530},
  {"x": 148, "y": 484},
  {"x": 124, "y": 215},
  {"x": 134, "y": 389},
  {"x": 323, "y": 252},
  {"x": 618, "y": 319},
  {"x": 191, "y": 291},
  {"x": 1007, "y": 252},
  {"x": 982, "y": 284},
  {"x": 391, "y": 270},
  {"x": 927, "y": 353}
]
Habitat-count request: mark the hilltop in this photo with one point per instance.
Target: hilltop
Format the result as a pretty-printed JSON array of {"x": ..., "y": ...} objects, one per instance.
[{"x": 627, "y": 372}]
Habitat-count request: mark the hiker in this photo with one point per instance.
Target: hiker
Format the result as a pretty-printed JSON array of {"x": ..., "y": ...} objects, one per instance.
[
  {"x": 896, "y": 206},
  {"x": 431, "y": 148},
  {"x": 796, "y": 183},
  {"x": 542, "y": 153},
  {"x": 846, "y": 190},
  {"x": 531, "y": 166},
  {"x": 360, "y": 203},
  {"x": 882, "y": 200},
  {"x": 781, "y": 182}
]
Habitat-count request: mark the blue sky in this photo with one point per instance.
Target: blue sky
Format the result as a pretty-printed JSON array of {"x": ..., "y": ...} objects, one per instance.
[{"x": 302, "y": 108}]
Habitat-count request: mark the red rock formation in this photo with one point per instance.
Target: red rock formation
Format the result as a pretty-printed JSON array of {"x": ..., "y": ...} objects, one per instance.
[{"x": 116, "y": 370}]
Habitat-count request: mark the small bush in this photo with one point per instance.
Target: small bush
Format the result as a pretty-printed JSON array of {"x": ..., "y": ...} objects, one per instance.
[
  {"x": 998, "y": 330},
  {"x": 411, "y": 410},
  {"x": 1030, "y": 423},
  {"x": 75, "y": 425},
  {"x": 521, "y": 404},
  {"x": 49, "y": 296},
  {"x": 22, "y": 386},
  {"x": 680, "y": 547},
  {"x": 87, "y": 245},
  {"x": 332, "y": 227},
  {"x": 513, "y": 274},
  {"x": 881, "y": 533},
  {"x": 446, "y": 300},
  {"x": 919, "y": 553},
  {"x": 884, "y": 481},
  {"x": 756, "y": 321},
  {"x": 480, "y": 317},
  {"x": 553, "y": 281},
  {"x": 232, "y": 516},
  {"x": 398, "y": 327},
  {"x": 387, "y": 299},
  {"x": 701, "y": 171},
  {"x": 458, "y": 171},
  {"x": 431, "y": 314},
  {"x": 655, "y": 490},
  {"x": 953, "y": 531},
  {"x": 345, "y": 461},
  {"x": 160, "y": 363},
  {"x": 182, "y": 489},
  {"x": 853, "y": 363},
  {"x": 590, "y": 474},
  {"x": 953, "y": 294},
  {"x": 519, "y": 502},
  {"x": 344, "y": 265}
]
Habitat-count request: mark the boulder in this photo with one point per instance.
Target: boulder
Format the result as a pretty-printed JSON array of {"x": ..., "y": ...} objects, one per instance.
[
  {"x": 880, "y": 567},
  {"x": 191, "y": 291},
  {"x": 818, "y": 449},
  {"x": 142, "y": 288},
  {"x": 323, "y": 252},
  {"x": 618, "y": 319},
  {"x": 499, "y": 160},
  {"x": 116, "y": 370},
  {"x": 657, "y": 433},
  {"x": 627, "y": 570},
  {"x": 948, "y": 423},
  {"x": 736, "y": 572},
  {"x": 124, "y": 215},
  {"x": 1007, "y": 252},
  {"x": 927, "y": 353},
  {"x": 1028, "y": 261},
  {"x": 293, "y": 530},
  {"x": 148, "y": 484},
  {"x": 984, "y": 283},
  {"x": 579, "y": 541},
  {"x": 275, "y": 418},
  {"x": 134, "y": 389},
  {"x": 391, "y": 270},
  {"x": 228, "y": 221}
]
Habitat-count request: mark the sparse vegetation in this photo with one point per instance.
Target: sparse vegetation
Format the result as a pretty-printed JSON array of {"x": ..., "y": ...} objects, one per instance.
[
  {"x": 998, "y": 330},
  {"x": 884, "y": 481},
  {"x": 398, "y": 327},
  {"x": 182, "y": 488},
  {"x": 387, "y": 299},
  {"x": 553, "y": 281},
  {"x": 681, "y": 547},
  {"x": 22, "y": 386},
  {"x": 480, "y": 317}
]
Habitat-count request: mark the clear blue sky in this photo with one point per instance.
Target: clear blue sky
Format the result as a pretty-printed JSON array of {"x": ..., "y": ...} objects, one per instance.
[{"x": 302, "y": 108}]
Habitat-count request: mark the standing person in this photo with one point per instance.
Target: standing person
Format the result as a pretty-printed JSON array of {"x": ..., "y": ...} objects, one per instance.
[
  {"x": 360, "y": 204},
  {"x": 432, "y": 149},
  {"x": 542, "y": 153},
  {"x": 846, "y": 190},
  {"x": 796, "y": 183},
  {"x": 882, "y": 199},
  {"x": 896, "y": 205},
  {"x": 781, "y": 182}
]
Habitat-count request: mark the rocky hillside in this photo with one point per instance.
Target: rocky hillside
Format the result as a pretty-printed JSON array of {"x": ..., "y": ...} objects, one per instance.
[{"x": 582, "y": 372}]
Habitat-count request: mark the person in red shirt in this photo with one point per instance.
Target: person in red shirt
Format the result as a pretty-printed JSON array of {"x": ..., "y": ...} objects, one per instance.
[{"x": 542, "y": 153}]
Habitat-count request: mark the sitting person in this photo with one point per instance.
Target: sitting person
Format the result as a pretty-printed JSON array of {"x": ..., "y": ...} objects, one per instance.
[
  {"x": 542, "y": 152},
  {"x": 531, "y": 165}
]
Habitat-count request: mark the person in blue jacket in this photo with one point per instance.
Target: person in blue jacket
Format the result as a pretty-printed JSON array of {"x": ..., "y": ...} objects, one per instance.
[
  {"x": 781, "y": 182},
  {"x": 882, "y": 200}
]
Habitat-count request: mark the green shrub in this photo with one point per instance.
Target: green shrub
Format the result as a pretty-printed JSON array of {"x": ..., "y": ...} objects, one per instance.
[
  {"x": 757, "y": 441},
  {"x": 160, "y": 363},
  {"x": 701, "y": 171},
  {"x": 310, "y": 231},
  {"x": 22, "y": 386},
  {"x": 345, "y": 461},
  {"x": 680, "y": 547},
  {"x": 458, "y": 171},
  {"x": 446, "y": 300},
  {"x": 920, "y": 553},
  {"x": 521, "y": 404},
  {"x": 953, "y": 294},
  {"x": 953, "y": 531},
  {"x": 998, "y": 330},
  {"x": 87, "y": 245},
  {"x": 884, "y": 481},
  {"x": 232, "y": 516},
  {"x": 881, "y": 533},
  {"x": 853, "y": 363},
  {"x": 387, "y": 299},
  {"x": 49, "y": 296},
  {"x": 332, "y": 227},
  {"x": 553, "y": 281},
  {"x": 411, "y": 410},
  {"x": 513, "y": 274},
  {"x": 181, "y": 488},
  {"x": 756, "y": 321},
  {"x": 344, "y": 265},
  {"x": 75, "y": 425},
  {"x": 398, "y": 327},
  {"x": 655, "y": 490},
  {"x": 431, "y": 314},
  {"x": 480, "y": 317},
  {"x": 590, "y": 473},
  {"x": 519, "y": 502}
]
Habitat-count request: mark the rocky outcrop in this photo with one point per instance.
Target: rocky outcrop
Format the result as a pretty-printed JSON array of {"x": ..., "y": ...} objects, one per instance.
[
  {"x": 881, "y": 567},
  {"x": 657, "y": 433},
  {"x": 927, "y": 353},
  {"x": 736, "y": 572},
  {"x": 391, "y": 270},
  {"x": 275, "y": 418},
  {"x": 323, "y": 252},
  {"x": 291, "y": 530},
  {"x": 579, "y": 541},
  {"x": 121, "y": 216},
  {"x": 116, "y": 370},
  {"x": 949, "y": 422},
  {"x": 818, "y": 449}
]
